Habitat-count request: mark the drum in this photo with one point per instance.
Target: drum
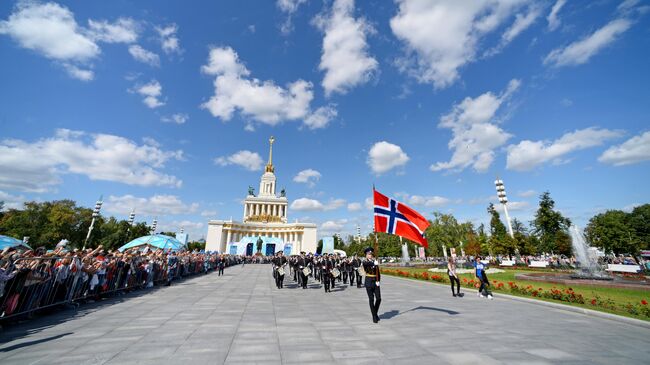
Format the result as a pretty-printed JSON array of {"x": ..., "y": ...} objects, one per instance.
[
  {"x": 362, "y": 271},
  {"x": 306, "y": 271},
  {"x": 336, "y": 272},
  {"x": 281, "y": 271}
]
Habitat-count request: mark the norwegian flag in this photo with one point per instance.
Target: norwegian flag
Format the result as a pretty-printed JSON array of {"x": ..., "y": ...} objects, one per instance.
[{"x": 396, "y": 218}]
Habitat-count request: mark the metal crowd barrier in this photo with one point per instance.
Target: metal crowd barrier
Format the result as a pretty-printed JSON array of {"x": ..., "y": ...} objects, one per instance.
[{"x": 43, "y": 282}]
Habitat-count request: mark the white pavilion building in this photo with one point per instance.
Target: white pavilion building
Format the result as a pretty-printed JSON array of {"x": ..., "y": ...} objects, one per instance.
[{"x": 265, "y": 227}]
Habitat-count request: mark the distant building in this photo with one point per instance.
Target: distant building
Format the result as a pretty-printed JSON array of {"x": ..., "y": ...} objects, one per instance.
[{"x": 264, "y": 224}]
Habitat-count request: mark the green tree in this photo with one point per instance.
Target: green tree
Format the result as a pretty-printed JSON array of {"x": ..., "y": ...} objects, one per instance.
[
  {"x": 639, "y": 221},
  {"x": 500, "y": 242},
  {"x": 612, "y": 232},
  {"x": 550, "y": 226}
]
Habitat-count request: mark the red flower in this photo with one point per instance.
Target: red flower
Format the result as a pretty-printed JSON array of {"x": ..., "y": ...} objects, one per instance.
[
  {"x": 644, "y": 302},
  {"x": 593, "y": 302}
]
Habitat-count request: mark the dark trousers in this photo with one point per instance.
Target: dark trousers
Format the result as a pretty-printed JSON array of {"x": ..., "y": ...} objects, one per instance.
[
  {"x": 374, "y": 297},
  {"x": 453, "y": 280},
  {"x": 485, "y": 285},
  {"x": 356, "y": 273},
  {"x": 279, "y": 280},
  {"x": 303, "y": 280},
  {"x": 351, "y": 275},
  {"x": 326, "y": 281},
  {"x": 345, "y": 277},
  {"x": 220, "y": 272},
  {"x": 332, "y": 281}
]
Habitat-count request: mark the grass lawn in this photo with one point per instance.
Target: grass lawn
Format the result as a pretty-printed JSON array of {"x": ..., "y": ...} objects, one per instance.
[{"x": 625, "y": 302}]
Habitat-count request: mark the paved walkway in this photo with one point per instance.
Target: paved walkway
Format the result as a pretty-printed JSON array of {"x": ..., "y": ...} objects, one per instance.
[{"x": 242, "y": 318}]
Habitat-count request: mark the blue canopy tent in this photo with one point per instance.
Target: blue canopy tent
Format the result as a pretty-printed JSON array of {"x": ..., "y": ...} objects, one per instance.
[
  {"x": 6, "y": 241},
  {"x": 155, "y": 241}
]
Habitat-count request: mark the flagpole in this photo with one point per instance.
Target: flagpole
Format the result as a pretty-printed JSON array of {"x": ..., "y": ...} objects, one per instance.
[{"x": 374, "y": 228}]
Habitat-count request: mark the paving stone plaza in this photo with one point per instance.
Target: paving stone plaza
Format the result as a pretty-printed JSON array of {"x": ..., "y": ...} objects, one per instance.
[{"x": 241, "y": 318}]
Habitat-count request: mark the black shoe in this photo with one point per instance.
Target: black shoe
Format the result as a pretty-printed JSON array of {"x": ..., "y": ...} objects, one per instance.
[
  {"x": 375, "y": 320},
  {"x": 454, "y": 295}
]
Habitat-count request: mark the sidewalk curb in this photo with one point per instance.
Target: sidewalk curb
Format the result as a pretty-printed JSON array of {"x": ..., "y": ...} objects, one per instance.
[{"x": 564, "y": 307}]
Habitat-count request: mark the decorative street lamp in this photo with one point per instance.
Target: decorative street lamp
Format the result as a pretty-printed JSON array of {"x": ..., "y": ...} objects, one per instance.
[
  {"x": 132, "y": 217},
  {"x": 503, "y": 199},
  {"x": 98, "y": 207},
  {"x": 154, "y": 224}
]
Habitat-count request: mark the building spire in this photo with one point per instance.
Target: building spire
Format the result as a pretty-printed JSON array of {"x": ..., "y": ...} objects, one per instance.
[{"x": 269, "y": 166}]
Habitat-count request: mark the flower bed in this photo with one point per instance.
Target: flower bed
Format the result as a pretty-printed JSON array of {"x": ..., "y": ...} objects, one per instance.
[{"x": 568, "y": 295}]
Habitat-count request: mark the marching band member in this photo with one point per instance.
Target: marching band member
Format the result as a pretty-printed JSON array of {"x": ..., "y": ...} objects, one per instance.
[
  {"x": 373, "y": 276},
  {"x": 302, "y": 264}
]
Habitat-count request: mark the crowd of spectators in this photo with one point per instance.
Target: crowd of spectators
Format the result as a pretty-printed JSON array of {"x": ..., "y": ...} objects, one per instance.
[{"x": 35, "y": 279}]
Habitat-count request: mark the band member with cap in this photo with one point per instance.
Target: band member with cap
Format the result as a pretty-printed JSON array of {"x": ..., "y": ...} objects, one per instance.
[
  {"x": 326, "y": 267},
  {"x": 373, "y": 277},
  {"x": 356, "y": 262},
  {"x": 280, "y": 263},
  {"x": 302, "y": 264}
]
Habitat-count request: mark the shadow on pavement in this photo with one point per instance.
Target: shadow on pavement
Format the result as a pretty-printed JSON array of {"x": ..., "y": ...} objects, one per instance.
[
  {"x": 448, "y": 311},
  {"x": 35, "y": 342}
]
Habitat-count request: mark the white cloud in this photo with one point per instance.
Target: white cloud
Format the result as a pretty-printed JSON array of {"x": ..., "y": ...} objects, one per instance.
[
  {"x": 39, "y": 165},
  {"x": 310, "y": 205},
  {"x": 209, "y": 213},
  {"x": 178, "y": 118},
  {"x": 306, "y": 205},
  {"x": 264, "y": 102},
  {"x": 427, "y": 201},
  {"x": 522, "y": 22},
  {"x": 308, "y": 176},
  {"x": 11, "y": 201},
  {"x": 475, "y": 133},
  {"x": 124, "y": 30},
  {"x": 51, "y": 30},
  {"x": 553, "y": 20},
  {"x": 384, "y": 156},
  {"x": 370, "y": 205},
  {"x": 289, "y": 7},
  {"x": 354, "y": 207},
  {"x": 512, "y": 206},
  {"x": 194, "y": 230},
  {"x": 251, "y": 161},
  {"x": 527, "y": 193},
  {"x": 345, "y": 57},
  {"x": 151, "y": 92},
  {"x": 156, "y": 205},
  {"x": 321, "y": 117},
  {"x": 634, "y": 150},
  {"x": 168, "y": 39},
  {"x": 579, "y": 52},
  {"x": 79, "y": 73},
  {"x": 142, "y": 55},
  {"x": 330, "y": 227},
  {"x": 528, "y": 154},
  {"x": 440, "y": 37}
]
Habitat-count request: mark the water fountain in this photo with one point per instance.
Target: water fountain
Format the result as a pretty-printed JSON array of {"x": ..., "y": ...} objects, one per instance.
[
  {"x": 589, "y": 272},
  {"x": 589, "y": 268}
]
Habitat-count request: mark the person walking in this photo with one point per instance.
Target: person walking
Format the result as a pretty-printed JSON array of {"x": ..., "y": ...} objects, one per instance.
[
  {"x": 371, "y": 267},
  {"x": 479, "y": 273},
  {"x": 453, "y": 277}
]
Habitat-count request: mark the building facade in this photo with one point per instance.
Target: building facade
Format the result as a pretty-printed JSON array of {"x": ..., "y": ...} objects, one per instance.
[{"x": 265, "y": 227}]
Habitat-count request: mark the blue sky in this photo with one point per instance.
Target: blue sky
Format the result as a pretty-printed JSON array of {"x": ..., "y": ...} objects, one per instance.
[{"x": 167, "y": 108}]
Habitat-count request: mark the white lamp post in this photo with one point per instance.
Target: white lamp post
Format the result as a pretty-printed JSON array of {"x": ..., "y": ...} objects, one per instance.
[
  {"x": 503, "y": 199},
  {"x": 98, "y": 207},
  {"x": 154, "y": 224}
]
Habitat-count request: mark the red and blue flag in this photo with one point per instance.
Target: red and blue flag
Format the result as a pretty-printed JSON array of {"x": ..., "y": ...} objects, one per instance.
[{"x": 396, "y": 218}]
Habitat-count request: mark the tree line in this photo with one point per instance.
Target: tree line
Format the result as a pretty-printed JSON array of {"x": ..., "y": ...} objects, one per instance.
[{"x": 613, "y": 231}]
